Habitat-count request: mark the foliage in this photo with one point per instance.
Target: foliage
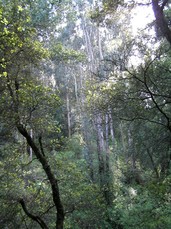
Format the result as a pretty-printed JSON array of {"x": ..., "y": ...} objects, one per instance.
[
  {"x": 146, "y": 208},
  {"x": 61, "y": 73},
  {"x": 60, "y": 53}
]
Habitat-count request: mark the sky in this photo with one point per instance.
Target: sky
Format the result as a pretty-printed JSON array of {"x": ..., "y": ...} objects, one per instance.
[{"x": 142, "y": 15}]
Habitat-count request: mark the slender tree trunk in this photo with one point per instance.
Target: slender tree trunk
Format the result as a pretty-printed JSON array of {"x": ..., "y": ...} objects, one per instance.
[
  {"x": 88, "y": 45},
  {"x": 111, "y": 128},
  {"x": 89, "y": 156},
  {"x": 123, "y": 141},
  {"x": 68, "y": 114},
  {"x": 100, "y": 44},
  {"x": 85, "y": 127},
  {"x": 107, "y": 143},
  {"x": 100, "y": 134},
  {"x": 76, "y": 88},
  {"x": 153, "y": 163},
  {"x": 30, "y": 149},
  {"x": 131, "y": 150},
  {"x": 100, "y": 147},
  {"x": 107, "y": 167}
]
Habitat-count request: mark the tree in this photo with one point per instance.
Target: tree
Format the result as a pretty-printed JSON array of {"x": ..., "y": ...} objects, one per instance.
[
  {"x": 23, "y": 97},
  {"x": 161, "y": 21},
  {"x": 85, "y": 110}
]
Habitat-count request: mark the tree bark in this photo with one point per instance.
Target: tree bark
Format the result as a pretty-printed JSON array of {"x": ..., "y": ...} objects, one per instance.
[{"x": 160, "y": 19}]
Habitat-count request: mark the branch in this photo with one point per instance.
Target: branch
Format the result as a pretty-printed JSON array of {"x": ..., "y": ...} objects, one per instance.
[
  {"x": 33, "y": 217},
  {"x": 70, "y": 211},
  {"x": 48, "y": 210},
  {"x": 155, "y": 102},
  {"x": 151, "y": 94},
  {"x": 24, "y": 165},
  {"x": 143, "y": 4},
  {"x": 141, "y": 118},
  {"x": 164, "y": 3}
]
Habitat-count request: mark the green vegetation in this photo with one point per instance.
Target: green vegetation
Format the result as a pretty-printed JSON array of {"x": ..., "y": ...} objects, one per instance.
[{"x": 85, "y": 116}]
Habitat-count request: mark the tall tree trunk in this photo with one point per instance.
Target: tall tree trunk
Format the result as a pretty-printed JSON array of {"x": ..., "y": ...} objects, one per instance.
[
  {"x": 107, "y": 140},
  {"x": 99, "y": 44},
  {"x": 111, "y": 128},
  {"x": 68, "y": 114},
  {"x": 85, "y": 126},
  {"x": 153, "y": 163},
  {"x": 30, "y": 149},
  {"x": 107, "y": 165},
  {"x": 89, "y": 156},
  {"x": 76, "y": 88},
  {"x": 131, "y": 150},
  {"x": 123, "y": 141},
  {"x": 89, "y": 48},
  {"x": 160, "y": 18},
  {"x": 100, "y": 148}
]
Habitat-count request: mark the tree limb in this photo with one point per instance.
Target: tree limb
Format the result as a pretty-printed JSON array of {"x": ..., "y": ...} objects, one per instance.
[
  {"x": 33, "y": 217},
  {"x": 163, "y": 4}
]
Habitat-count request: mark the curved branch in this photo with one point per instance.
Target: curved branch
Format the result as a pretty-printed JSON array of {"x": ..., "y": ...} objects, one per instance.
[{"x": 33, "y": 217}]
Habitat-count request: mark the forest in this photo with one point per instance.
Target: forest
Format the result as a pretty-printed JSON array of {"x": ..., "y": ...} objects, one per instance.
[{"x": 85, "y": 114}]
